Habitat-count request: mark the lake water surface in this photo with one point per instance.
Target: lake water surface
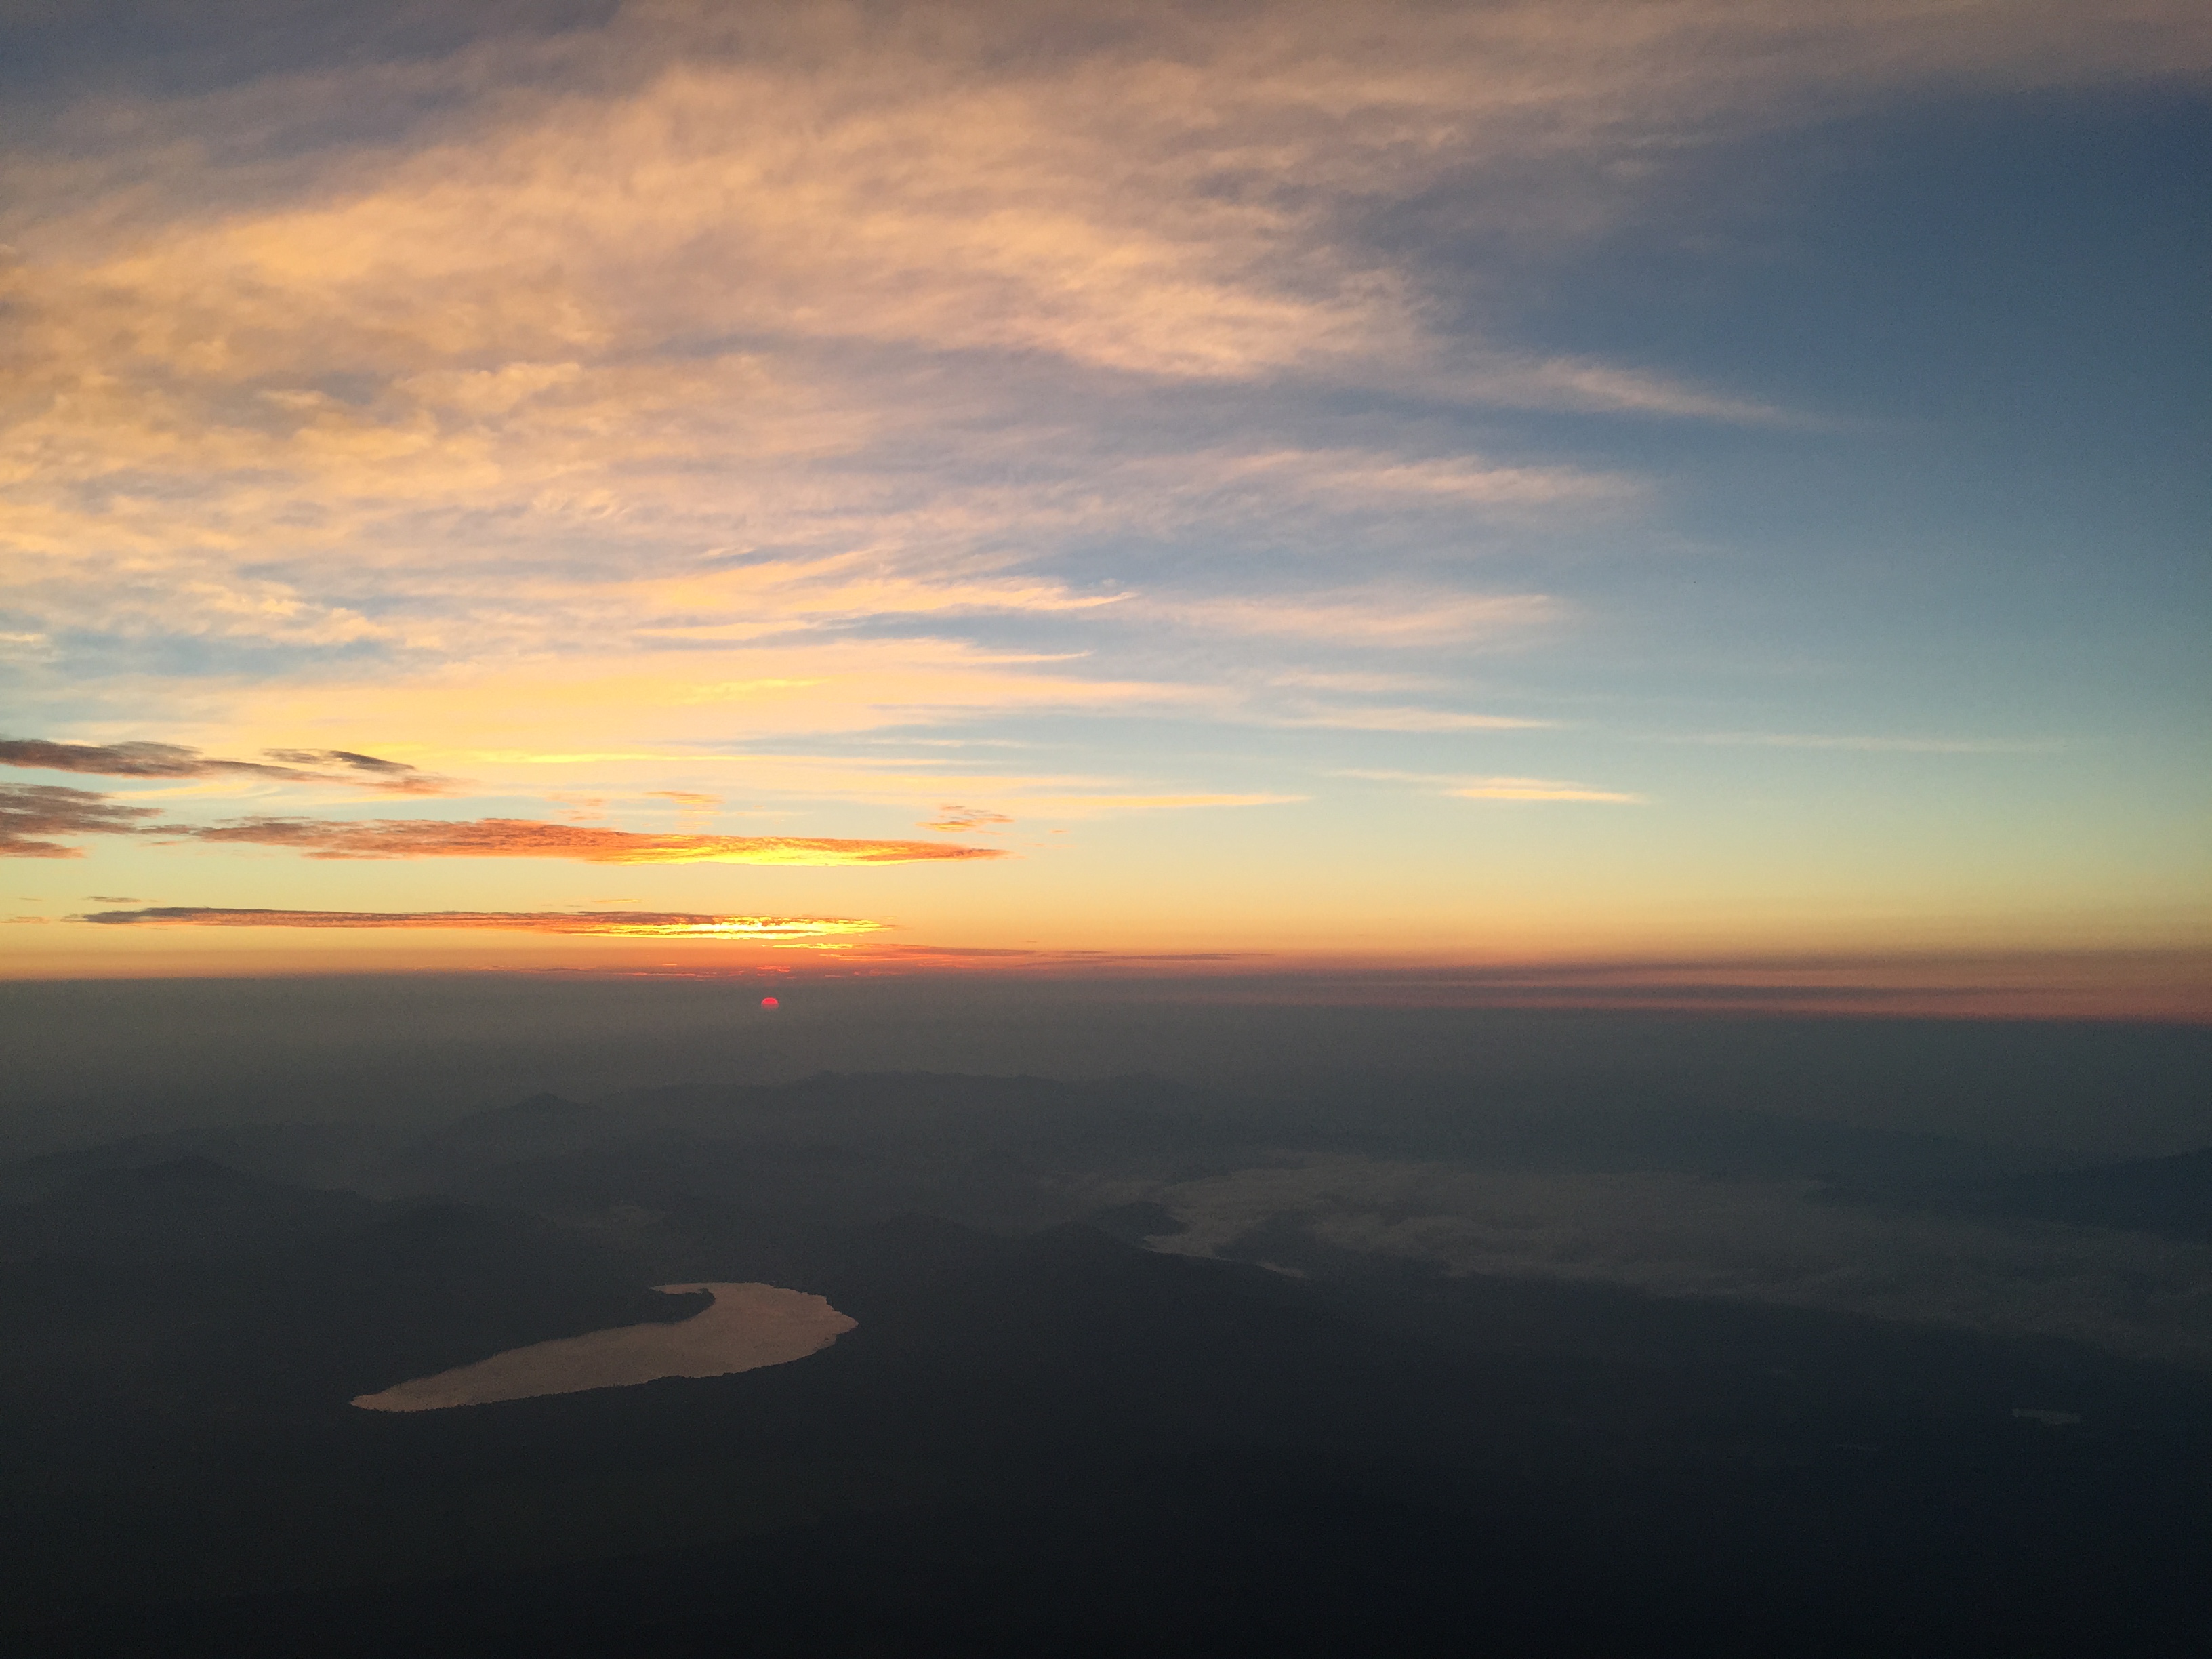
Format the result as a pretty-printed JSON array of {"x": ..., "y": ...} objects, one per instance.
[{"x": 747, "y": 1327}]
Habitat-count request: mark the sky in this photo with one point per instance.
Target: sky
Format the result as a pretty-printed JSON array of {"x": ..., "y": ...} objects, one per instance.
[{"x": 1593, "y": 497}]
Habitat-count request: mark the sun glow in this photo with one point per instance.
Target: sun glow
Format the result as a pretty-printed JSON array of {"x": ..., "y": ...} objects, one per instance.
[{"x": 1047, "y": 486}]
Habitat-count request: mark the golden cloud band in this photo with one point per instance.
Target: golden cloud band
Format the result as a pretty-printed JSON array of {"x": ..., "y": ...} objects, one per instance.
[{"x": 628, "y": 924}]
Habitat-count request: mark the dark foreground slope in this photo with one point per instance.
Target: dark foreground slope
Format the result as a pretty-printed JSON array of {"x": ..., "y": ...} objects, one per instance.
[
  {"x": 1064, "y": 1443},
  {"x": 184, "y": 1291},
  {"x": 2168, "y": 1195}
]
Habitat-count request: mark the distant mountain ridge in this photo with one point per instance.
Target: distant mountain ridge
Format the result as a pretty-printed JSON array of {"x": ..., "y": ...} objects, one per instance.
[
  {"x": 186, "y": 1208},
  {"x": 542, "y": 1117},
  {"x": 941, "y": 1139},
  {"x": 309, "y": 1154}
]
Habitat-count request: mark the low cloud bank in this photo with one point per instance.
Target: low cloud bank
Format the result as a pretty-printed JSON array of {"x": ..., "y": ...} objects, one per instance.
[{"x": 1765, "y": 1241}]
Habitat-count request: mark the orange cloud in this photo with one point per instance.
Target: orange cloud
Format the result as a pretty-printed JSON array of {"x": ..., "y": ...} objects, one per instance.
[
  {"x": 41, "y": 810},
  {"x": 625, "y": 924},
  {"x": 523, "y": 838}
]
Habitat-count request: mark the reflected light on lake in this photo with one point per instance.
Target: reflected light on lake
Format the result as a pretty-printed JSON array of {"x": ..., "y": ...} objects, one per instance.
[{"x": 747, "y": 1327}]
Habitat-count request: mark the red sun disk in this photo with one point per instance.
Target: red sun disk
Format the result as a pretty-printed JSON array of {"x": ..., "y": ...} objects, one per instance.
[{"x": 770, "y": 1002}]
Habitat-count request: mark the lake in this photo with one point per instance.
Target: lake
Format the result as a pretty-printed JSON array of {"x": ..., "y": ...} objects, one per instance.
[{"x": 747, "y": 1327}]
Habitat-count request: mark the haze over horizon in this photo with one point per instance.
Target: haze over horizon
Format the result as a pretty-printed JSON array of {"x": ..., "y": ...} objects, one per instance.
[{"x": 1695, "y": 503}]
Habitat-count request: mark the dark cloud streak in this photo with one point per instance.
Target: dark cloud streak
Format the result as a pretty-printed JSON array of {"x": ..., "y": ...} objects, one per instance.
[
  {"x": 170, "y": 760},
  {"x": 29, "y": 811}
]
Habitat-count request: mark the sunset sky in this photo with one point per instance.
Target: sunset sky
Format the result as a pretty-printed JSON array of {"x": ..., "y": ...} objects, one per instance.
[{"x": 1644, "y": 494}]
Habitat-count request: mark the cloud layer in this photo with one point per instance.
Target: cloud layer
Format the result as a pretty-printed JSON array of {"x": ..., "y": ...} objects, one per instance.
[{"x": 698, "y": 288}]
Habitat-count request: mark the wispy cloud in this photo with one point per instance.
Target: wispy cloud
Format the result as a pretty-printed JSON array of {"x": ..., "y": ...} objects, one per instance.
[
  {"x": 695, "y": 809},
  {"x": 951, "y": 819},
  {"x": 1076, "y": 806},
  {"x": 1409, "y": 720},
  {"x": 1597, "y": 386},
  {"x": 479, "y": 334},
  {"x": 1371, "y": 617},
  {"x": 1358, "y": 682},
  {"x": 1497, "y": 788},
  {"x": 480, "y": 338},
  {"x": 1901, "y": 746},
  {"x": 1270, "y": 481},
  {"x": 623, "y": 924},
  {"x": 1539, "y": 789}
]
